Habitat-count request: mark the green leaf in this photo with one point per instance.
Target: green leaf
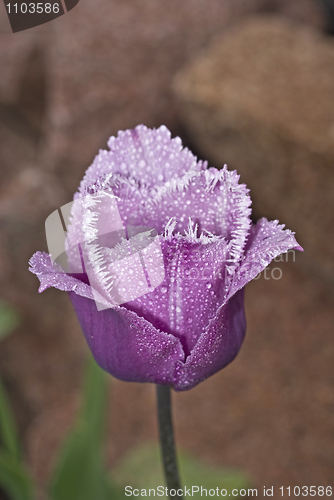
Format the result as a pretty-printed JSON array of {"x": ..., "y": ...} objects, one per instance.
[
  {"x": 80, "y": 474},
  {"x": 94, "y": 403},
  {"x": 14, "y": 479},
  {"x": 8, "y": 434},
  {"x": 9, "y": 319},
  {"x": 142, "y": 469}
]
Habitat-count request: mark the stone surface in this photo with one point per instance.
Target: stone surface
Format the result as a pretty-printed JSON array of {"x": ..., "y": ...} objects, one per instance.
[
  {"x": 120, "y": 75},
  {"x": 260, "y": 100},
  {"x": 307, "y": 11}
]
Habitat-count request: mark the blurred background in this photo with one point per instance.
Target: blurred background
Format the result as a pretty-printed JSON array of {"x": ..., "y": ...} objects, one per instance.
[{"x": 249, "y": 83}]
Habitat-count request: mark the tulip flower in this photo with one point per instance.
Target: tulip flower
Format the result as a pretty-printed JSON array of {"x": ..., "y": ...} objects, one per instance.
[{"x": 188, "y": 320}]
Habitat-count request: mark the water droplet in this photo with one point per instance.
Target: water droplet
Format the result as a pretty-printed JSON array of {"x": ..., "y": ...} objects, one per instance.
[
  {"x": 208, "y": 285},
  {"x": 163, "y": 289}
]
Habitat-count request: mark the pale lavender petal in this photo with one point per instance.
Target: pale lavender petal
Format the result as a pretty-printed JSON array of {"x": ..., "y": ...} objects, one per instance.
[
  {"x": 150, "y": 156},
  {"x": 266, "y": 241},
  {"x": 41, "y": 265},
  {"x": 212, "y": 199},
  {"x": 217, "y": 346}
]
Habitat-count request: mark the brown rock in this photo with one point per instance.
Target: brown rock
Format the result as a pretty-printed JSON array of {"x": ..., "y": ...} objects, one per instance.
[
  {"x": 307, "y": 11},
  {"x": 119, "y": 75},
  {"x": 261, "y": 100}
]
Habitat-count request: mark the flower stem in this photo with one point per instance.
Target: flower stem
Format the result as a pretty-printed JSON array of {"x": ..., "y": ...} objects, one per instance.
[{"x": 167, "y": 439}]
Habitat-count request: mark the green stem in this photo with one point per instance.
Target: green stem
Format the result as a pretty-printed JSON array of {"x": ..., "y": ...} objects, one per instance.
[{"x": 167, "y": 439}]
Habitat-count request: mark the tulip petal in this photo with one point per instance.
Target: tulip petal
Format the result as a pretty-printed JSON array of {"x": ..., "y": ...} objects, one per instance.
[
  {"x": 216, "y": 347},
  {"x": 155, "y": 179},
  {"x": 212, "y": 199},
  {"x": 48, "y": 275},
  {"x": 149, "y": 156},
  {"x": 266, "y": 241},
  {"x": 127, "y": 346},
  {"x": 191, "y": 292},
  {"x": 123, "y": 344}
]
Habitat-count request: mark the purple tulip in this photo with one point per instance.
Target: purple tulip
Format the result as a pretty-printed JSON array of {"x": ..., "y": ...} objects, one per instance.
[{"x": 189, "y": 322}]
